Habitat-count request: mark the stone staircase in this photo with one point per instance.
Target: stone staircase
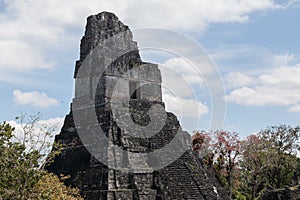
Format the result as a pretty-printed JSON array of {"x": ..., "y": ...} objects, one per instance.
[
  {"x": 186, "y": 186},
  {"x": 181, "y": 178}
]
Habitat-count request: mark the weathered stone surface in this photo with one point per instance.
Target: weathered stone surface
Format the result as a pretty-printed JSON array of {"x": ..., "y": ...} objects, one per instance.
[{"x": 184, "y": 178}]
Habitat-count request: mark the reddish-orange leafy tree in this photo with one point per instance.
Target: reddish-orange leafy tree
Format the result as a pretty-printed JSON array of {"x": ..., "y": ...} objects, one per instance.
[
  {"x": 220, "y": 149},
  {"x": 201, "y": 143},
  {"x": 227, "y": 148}
]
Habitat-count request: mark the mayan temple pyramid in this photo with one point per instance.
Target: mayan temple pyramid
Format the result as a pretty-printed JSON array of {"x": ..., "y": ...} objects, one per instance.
[{"x": 118, "y": 140}]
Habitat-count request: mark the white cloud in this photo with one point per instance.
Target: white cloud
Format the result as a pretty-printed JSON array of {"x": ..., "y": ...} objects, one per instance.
[
  {"x": 193, "y": 14},
  {"x": 30, "y": 28},
  {"x": 52, "y": 126},
  {"x": 179, "y": 76},
  {"x": 280, "y": 87},
  {"x": 34, "y": 98},
  {"x": 283, "y": 77},
  {"x": 283, "y": 59},
  {"x": 295, "y": 108},
  {"x": 184, "y": 107},
  {"x": 255, "y": 59},
  {"x": 187, "y": 15},
  {"x": 20, "y": 56},
  {"x": 237, "y": 79},
  {"x": 266, "y": 79},
  {"x": 188, "y": 71},
  {"x": 179, "y": 82},
  {"x": 264, "y": 95},
  {"x": 289, "y": 4}
]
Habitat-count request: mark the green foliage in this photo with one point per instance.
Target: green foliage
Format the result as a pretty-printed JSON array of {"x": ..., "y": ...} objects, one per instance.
[
  {"x": 265, "y": 159},
  {"x": 5, "y": 133},
  {"x": 17, "y": 166},
  {"x": 21, "y": 165},
  {"x": 237, "y": 195},
  {"x": 281, "y": 142},
  {"x": 50, "y": 186},
  {"x": 253, "y": 165},
  {"x": 269, "y": 159}
]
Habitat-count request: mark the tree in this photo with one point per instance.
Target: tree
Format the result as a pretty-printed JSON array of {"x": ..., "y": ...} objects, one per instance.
[
  {"x": 36, "y": 136},
  {"x": 50, "y": 186},
  {"x": 253, "y": 164},
  {"x": 226, "y": 147},
  {"x": 281, "y": 143},
  {"x": 18, "y": 166},
  {"x": 269, "y": 158},
  {"x": 21, "y": 166},
  {"x": 201, "y": 144},
  {"x": 220, "y": 150}
]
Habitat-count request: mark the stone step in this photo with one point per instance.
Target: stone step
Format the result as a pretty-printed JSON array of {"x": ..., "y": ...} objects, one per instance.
[{"x": 183, "y": 181}]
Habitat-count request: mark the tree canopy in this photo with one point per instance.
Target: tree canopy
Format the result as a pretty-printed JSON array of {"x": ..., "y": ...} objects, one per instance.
[
  {"x": 267, "y": 159},
  {"x": 21, "y": 168}
]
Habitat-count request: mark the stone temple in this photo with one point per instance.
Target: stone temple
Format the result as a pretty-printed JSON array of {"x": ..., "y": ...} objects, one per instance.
[{"x": 118, "y": 140}]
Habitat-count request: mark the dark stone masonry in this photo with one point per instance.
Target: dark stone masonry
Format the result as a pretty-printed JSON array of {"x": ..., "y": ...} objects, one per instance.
[{"x": 131, "y": 87}]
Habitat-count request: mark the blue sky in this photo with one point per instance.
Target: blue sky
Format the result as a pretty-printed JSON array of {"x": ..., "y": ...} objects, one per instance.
[{"x": 253, "y": 43}]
